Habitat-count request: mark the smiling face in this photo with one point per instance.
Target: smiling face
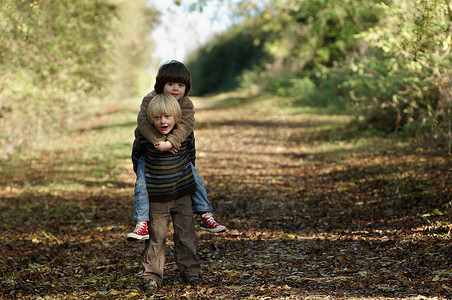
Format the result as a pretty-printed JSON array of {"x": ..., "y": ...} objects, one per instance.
[
  {"x": 164, "y": 112},
  {"x": 174, "y": 73},
  {"x": 164, "y": 124},
  {"x": 175, "y": 89}
]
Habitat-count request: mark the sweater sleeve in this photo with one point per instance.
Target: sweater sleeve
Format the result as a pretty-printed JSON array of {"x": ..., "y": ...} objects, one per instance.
[
  {"x": 192, "y": 149},
  {"x": 136, "y": 153},
  {"x": 145, "y": 127},
  {"x": 185, "y": 127}
]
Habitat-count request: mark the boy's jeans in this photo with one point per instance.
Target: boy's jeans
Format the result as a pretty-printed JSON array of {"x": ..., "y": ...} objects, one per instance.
[{"x": 200, "y": 203}]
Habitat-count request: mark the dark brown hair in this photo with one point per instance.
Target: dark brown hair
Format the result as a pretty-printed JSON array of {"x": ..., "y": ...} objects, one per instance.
[{"x": 172, "y": 71}]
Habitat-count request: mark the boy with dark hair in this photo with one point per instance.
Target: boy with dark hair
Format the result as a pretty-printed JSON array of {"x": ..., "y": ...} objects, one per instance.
[{"x": 173, "y": 78}]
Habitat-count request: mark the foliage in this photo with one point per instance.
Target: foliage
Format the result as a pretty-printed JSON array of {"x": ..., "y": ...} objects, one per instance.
[
  {"x": 303, "y": 40},
  {"x": 56, "y": 57},
  {"x": 131, "y": 47},
  {"x": 387, "y": 61},
  {"x": 216, "y": 66},
  {"x": 409, "y": 63},
  {"x": 312, "y": 211}
]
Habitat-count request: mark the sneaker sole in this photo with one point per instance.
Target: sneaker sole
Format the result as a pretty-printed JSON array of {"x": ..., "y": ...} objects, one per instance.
[
  {"x": 132, "y": 238},
  {"x": 213, "y": 230}
]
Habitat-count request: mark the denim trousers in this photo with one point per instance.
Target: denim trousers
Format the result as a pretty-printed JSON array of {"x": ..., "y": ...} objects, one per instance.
[
  {"x": 200, "y": 203},
  {"x": 180, "y": 213}
]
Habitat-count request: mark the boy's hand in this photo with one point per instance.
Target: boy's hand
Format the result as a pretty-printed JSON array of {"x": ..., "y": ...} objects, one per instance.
[
  {"x": 173, "y": 150},
  {"x": 165, "y": 146}
]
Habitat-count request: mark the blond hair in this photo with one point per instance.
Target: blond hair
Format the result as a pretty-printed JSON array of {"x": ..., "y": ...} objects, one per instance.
[{"x": 164, "y": 105}]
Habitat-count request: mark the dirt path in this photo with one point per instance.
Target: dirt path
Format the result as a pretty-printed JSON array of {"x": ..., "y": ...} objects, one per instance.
[{"x": 311, "y": 210}]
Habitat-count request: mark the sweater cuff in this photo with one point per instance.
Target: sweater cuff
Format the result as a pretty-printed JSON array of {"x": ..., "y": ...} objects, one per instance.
[{"x": 173, "y": 142}]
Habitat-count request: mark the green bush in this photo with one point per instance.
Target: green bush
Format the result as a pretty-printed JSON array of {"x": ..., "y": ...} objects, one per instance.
[
  {"x": 387, "y": 61},
  {"x": 410, "y": 60},
  {"x": 217, "y": 66},
  {"x": 56, "y": 57}
]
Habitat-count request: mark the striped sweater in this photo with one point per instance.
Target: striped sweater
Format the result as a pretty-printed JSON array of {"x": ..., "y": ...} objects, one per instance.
[{"x": 168, "y": 176}]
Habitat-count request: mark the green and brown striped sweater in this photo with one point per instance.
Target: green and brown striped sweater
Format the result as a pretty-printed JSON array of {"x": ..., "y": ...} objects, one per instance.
[{"x": 168, "y": 176}]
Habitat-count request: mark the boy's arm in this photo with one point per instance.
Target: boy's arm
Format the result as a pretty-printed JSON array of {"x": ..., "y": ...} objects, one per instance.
[
  {"x": 146, "y": 128},
  {"x": 185, "y": 127}
]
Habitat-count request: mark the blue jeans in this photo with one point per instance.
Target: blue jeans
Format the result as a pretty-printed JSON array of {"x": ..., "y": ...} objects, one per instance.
[{"x": 199, "y": 200}]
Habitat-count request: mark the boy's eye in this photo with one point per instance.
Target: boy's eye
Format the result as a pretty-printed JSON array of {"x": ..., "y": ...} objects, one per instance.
[{"x": 175, "y": 83}]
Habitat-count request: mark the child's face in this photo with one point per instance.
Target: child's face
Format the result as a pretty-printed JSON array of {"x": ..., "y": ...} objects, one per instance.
[
  {"x": 175, "y": 89},
  {"x": 164, "y": 124}
]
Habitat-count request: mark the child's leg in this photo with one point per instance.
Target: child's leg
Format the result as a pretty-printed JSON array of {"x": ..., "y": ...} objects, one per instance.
[
  {"x": 185, "y": 239},
  {"x": 154, "y": 253},
  {"x": 200, "y": 203},
  {"x": 202, "y": 206},
  {"x": 141, "y": 212}
]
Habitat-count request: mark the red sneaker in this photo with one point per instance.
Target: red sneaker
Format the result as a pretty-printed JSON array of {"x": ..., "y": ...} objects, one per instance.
[
  {"x": 209, "y": 224},
  {"x": 140, "y": 232}
]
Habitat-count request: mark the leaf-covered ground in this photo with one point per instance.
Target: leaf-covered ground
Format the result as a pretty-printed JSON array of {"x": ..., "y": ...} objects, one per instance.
[{"x": 313, "y": 211}]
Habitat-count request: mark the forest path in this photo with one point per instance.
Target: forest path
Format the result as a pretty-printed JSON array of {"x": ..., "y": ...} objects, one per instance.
[{"x": 311, "y": 210}]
